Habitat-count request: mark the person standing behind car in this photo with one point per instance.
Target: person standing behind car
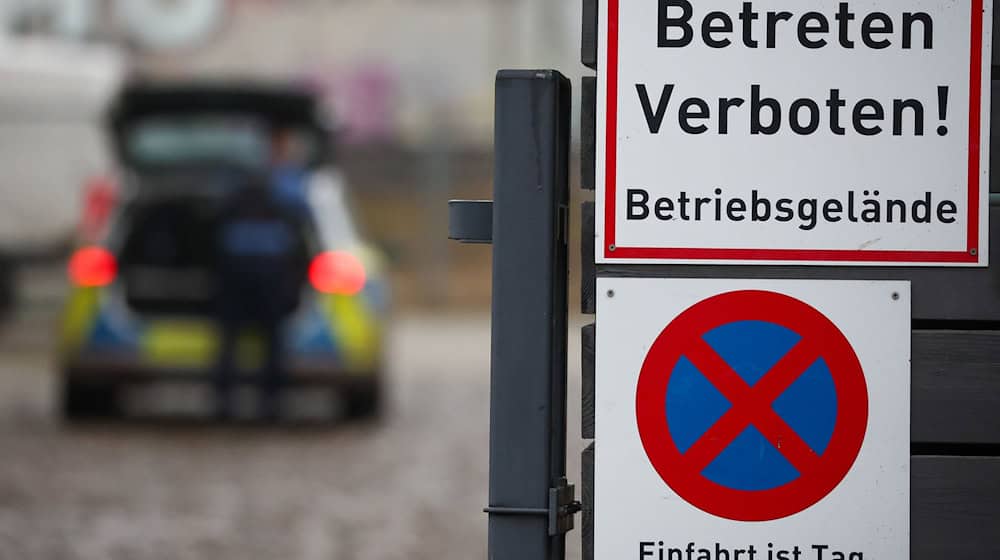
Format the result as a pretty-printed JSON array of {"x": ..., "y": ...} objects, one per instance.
[
  {"x": 288, "y": 170},
  {"x": 261, "y": 267}
]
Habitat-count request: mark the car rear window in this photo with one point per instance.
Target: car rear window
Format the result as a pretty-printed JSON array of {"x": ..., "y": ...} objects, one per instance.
[{"x": 233, "y": 140}]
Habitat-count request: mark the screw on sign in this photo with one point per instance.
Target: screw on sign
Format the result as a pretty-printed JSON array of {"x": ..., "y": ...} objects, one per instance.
[{"x": 751, "y": 405}]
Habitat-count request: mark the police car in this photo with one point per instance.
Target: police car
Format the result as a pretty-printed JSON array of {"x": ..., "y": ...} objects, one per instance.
[{"x": 141, "y": 307}]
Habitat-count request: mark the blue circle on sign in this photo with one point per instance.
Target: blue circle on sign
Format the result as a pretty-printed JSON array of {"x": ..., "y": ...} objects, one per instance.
[{"x": 751, "y": 349}]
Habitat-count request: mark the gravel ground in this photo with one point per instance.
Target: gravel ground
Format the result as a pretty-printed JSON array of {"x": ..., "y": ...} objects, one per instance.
[{"x": 409, "y": 487}]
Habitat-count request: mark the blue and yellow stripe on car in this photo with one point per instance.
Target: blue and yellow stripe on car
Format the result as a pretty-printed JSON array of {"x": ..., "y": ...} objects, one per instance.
[{"x": 340, "y": 330}]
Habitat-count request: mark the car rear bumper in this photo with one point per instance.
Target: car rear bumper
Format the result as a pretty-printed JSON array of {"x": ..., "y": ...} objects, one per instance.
[{"x": 128, "y": 371}]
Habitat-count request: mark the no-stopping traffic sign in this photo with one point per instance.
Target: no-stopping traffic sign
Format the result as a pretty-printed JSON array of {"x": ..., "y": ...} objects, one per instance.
[
  {"x": 751, "y": 415},
  {"x": 751, "y": 405}
]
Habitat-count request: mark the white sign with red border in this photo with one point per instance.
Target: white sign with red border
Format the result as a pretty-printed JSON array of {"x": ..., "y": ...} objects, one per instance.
[
  {"x": 777, "y": 132},
  {"x": 752, "y": 419}
]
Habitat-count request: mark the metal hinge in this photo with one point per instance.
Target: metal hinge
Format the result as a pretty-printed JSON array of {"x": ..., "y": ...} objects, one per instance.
[{"x": 562, "y": 507}]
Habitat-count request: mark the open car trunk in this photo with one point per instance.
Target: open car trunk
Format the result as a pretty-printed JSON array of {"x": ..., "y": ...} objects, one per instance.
[
  {"x": 169, "y": 259},
  {"x": 167, "y": 262}
]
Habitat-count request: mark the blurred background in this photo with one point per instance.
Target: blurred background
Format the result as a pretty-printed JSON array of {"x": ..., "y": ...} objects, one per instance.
[{"x": 105, "y": 279}]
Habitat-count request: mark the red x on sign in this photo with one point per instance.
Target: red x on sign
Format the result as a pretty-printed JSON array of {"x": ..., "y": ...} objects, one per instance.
[
  {"x": 683, "y": 467},
  {"x": 751, "y": 405}
]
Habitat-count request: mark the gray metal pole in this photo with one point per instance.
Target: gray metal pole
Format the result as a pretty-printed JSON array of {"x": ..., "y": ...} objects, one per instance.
[{"x": 530, "y": 504}]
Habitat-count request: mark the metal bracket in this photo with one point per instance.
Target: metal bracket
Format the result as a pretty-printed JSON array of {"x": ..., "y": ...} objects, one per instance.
[
  {"x": 470, "y": 221},
  {"x": 562, "y": 507}
]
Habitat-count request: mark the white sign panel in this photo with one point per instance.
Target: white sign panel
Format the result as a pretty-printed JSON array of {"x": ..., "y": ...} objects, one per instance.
[
  {"x": 752, "y": 420},
  {"x": 777, "y": 131}
]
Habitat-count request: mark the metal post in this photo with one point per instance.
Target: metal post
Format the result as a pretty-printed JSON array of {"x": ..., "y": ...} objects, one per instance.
[{"x": 530, "y": 504}]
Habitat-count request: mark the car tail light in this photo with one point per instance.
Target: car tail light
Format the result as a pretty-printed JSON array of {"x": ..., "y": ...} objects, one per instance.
[
  {"x": 337, "y": 272},
  {"x": 92, "y": 267}
]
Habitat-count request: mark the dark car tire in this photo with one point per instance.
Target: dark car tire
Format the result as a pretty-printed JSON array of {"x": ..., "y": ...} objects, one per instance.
[
  {"x": 365, "y": 401},
  {"x": 82, "y": 400}
]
